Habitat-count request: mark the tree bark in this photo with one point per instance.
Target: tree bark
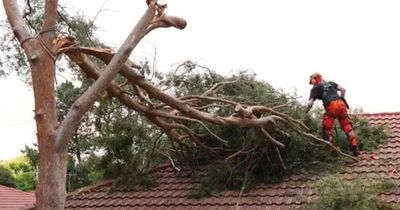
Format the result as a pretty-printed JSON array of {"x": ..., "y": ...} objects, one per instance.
[{"x": 50, "y": 192}]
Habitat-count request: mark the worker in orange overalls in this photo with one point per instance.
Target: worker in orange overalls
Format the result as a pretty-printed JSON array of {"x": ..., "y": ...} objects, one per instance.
[{"x": 335, "y": 108}]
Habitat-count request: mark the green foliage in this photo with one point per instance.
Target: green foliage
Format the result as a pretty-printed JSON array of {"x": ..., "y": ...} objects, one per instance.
[
  {"x": 218, "y": 178},
  {"x": 110, "y": 142},
  {"x": 136, "y": 180},
  {"x": 261, "y": 158},
  {"x": 79, "y": 174},
  {"x": 6, "y": 177},
  {"x": 131, "y": 145},
  {"x": 263, "y": 161},
  {"x": 80, "y": 144},
  {"x": 369, "y": 137},
  {"x": 84, "y": 173},
  {"x": 128, "y": 143},
  {"x": 32, "y": 154},
  {"x": 247, "y": 89},
  {"x": 336, "y": 193},
  {"x": 23, "y": 173}
]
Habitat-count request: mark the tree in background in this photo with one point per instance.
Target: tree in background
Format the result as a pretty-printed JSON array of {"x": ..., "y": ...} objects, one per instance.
[
  {"x": 80, "y": 144},
  {"x": 6, "y": 177},
  {"x": 23, "y": 173}
]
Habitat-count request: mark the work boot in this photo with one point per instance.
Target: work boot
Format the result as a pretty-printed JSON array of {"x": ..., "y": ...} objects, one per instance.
[{"x": 356, "y": 150}]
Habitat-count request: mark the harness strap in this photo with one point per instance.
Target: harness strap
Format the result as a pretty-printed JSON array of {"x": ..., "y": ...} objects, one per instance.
[{"x": 330, "y": 94}]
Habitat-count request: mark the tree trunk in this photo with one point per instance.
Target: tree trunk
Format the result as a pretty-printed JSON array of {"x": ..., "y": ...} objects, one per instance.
[{"x": 50, "y": 191}]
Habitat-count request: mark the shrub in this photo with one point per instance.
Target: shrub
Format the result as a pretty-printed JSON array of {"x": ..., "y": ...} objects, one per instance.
[{"x": 336, "y": 193}]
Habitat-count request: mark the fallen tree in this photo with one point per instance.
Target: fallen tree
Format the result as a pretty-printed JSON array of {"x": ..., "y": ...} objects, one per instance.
[{"x": 174, "y": 115}]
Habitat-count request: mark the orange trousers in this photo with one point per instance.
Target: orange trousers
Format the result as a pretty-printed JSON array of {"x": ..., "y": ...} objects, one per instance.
[{"x": 337, "y": 110}]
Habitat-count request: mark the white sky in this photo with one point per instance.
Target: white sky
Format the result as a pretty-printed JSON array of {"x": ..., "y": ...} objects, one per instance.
[{"x": 353, "y": 42}]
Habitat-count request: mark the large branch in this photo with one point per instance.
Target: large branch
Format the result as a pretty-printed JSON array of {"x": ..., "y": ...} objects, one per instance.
[
  {"x": 193, "y": 114},
  {"x": 50, "y": 12},
  {"x": 18, "y": 25},
  {"x": 83, "y": 103},
  {"x": 137, "y": 79},
  {"x": 244, "y": 118},
  {"x": 154, "y": 114},
  {"x": 184, "y": 108},
  {"x": 92, "y": 71},
  {"x": 153, "y": 15}
]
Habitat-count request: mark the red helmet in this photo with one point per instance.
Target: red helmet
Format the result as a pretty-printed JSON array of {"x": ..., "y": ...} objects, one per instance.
[{"x": 315, "y": 78}]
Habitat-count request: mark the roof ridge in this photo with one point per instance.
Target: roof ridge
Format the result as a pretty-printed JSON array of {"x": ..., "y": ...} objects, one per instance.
[
  {"x": 15, "y": 189},
  {"x": 380, "y": 113}
]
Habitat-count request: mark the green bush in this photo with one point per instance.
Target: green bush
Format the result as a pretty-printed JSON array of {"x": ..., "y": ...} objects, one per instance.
[
  {"x": 6, "y": 177},
  {"x": 336, "y": 193},
  {"x": 23, "y": 172}
]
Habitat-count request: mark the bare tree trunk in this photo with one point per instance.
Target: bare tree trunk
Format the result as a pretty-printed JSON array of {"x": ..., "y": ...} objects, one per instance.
[{"x": 50, "y": 192}]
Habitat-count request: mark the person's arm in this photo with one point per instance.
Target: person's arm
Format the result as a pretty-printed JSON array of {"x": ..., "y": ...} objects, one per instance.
[
  {"x": 342, "y": 90},
  {"x": 309, "y": 105}
]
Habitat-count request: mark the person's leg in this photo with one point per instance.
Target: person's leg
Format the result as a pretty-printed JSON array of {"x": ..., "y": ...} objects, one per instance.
[
  {"x": 327, "y": 125},
  {"x": 348, "y": 129}
]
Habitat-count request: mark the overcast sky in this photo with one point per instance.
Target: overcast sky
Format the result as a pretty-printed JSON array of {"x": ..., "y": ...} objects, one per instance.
[{"x": 353, "y": 42}]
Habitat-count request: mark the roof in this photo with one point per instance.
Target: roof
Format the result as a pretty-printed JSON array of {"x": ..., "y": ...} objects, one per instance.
[
  {"x": 294, "y": 192},
  {"x": 12, "y": 199}
]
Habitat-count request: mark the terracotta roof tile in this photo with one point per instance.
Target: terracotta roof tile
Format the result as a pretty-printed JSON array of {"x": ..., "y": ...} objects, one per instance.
[
  {"x": 294, "y": 193},
  {"x": 12, "y": 199}
]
